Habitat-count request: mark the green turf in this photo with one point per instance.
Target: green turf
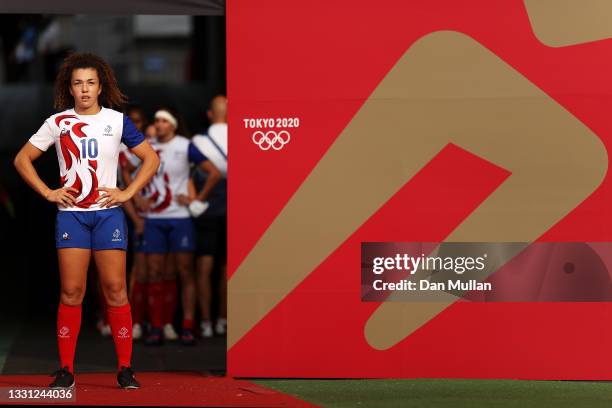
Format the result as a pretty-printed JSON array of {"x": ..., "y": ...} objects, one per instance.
[{"x": 447, "y": 393}]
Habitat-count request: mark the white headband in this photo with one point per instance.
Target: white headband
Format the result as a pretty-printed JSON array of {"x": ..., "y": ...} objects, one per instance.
[{"x": 164, "y": 114}]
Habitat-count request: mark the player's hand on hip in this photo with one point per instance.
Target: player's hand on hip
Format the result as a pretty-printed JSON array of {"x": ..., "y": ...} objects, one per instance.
[
  {"x": 63, "y": 197},
  {"x": 112, "y": 196},
  {"x": 184, "y": 199}
]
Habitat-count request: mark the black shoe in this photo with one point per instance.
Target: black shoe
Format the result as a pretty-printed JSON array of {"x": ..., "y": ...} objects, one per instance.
[
  {"x": 126, "y": 379},
  {"x": 187, "y": 337},
  {"x": 154, "y": 338},
  {"x": 63, "y": 379}
]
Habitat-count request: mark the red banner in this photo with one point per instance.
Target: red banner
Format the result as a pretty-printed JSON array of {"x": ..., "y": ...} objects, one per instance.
[{"x": 411, "y": 121}]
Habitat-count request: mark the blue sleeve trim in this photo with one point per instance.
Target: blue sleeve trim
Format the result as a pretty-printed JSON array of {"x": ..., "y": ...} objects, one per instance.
[
  {"x": 131, "y": 137},
  {"x": 195, "y": 155}
]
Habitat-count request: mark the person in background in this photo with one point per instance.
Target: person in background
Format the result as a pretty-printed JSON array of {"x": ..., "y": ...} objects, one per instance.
[
  {"x": 140, "y": 278},
  {"x": 211, "y": 226},
  {"x": 168, "y": 226},
  {"x": 135, "y": 212},
  {"x": 149, "y": 131}
]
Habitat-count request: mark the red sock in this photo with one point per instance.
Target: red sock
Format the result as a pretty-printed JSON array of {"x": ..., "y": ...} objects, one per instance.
[
  {"x": 156, "y": 304},
  {"x": 188, "y": 324},
  {"x": 68, "y": 325},
  {"x": 170, "y": 300},
  {"x": 120, "y": 320},
  {"x": 139, "y": 302}
]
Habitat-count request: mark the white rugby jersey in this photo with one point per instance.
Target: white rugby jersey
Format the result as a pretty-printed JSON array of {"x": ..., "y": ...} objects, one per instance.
[
  {"x": 87, "y": 150},
  {"x": 171, "y": 180}
]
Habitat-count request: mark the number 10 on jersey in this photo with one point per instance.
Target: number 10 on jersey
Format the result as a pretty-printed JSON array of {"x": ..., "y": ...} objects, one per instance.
[{"x": 89, "y": 148}]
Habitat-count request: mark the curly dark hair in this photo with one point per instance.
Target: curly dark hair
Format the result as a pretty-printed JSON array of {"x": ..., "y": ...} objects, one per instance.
[{"x": 110, "y": 96}]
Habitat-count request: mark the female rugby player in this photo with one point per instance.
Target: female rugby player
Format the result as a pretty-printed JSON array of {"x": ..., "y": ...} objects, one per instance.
[
  {"x": 136, "y": 211},
  {"x": 87, "y": 136},
  {"x": 169, "y": 231}
]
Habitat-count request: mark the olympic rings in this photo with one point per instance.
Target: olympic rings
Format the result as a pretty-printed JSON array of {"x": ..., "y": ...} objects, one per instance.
[{"x": 271, "y": 139}]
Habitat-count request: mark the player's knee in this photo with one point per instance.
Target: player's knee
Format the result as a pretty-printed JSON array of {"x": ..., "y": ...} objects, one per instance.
[
  {"x": 204, "y": 268},
  {"x": 154, "y": 275},
  {"x": 115, "y": 293},
  {"x": 154, "y": 268},
  {"x": 185, "y": 266},
  {"x": 187, "y": 275},
  {"x": 169, "y": 274},
  {"x": 72, "y": 295},
  {"x": 140, "y": 275}
]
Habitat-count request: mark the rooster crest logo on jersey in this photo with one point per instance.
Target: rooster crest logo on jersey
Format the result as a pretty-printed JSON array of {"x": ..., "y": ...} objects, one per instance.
[
  {"x": 157, "y": 191},
  {"x": 80, "y": 173}
]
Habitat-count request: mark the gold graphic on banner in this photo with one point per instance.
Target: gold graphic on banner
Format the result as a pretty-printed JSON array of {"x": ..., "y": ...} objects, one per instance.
[
  {"x": 446, "y": 88},
  {"x": 559, "y": 23}
]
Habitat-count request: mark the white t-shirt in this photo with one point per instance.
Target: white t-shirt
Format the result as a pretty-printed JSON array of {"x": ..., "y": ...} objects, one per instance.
[
  {"x": 214, "y": 145},
  {"x": 171, "y": 180},
  {"x": 87, "y": 150}
]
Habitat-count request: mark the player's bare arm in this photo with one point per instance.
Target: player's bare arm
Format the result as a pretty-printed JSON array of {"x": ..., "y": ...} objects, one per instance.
[
  {"x": 23, "y": 163},
  {"x": 214, "y": 175}
]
